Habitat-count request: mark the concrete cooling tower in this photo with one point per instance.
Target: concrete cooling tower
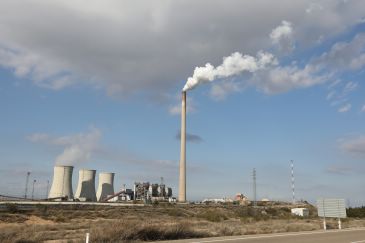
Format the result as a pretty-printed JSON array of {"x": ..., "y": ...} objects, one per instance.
[
  {"x": 62, "y": 182},
  {"x": 106, "y": 185},
  {"x": 86, "y": 186}
]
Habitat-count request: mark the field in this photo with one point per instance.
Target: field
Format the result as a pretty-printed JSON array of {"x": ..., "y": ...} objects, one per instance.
[{"x": 70, "y": 223}]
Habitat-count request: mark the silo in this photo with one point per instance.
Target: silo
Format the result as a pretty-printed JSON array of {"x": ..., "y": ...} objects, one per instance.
[
  {"x": 106, "y": 185},
  {"x": 86, "y": 186},
  {"x": 62, "y": 182}
]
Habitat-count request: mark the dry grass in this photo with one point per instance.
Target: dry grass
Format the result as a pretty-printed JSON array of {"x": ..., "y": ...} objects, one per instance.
[
  {"x": 125, "y": 230},
  {"x": 150, "y": 223}
]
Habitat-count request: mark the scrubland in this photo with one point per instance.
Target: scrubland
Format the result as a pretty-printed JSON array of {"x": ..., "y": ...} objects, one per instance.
[{"x": 70, "y": 223}]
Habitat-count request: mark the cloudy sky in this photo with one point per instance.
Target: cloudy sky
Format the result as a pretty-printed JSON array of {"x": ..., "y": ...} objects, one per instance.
[{"x": 97, "y": 84}]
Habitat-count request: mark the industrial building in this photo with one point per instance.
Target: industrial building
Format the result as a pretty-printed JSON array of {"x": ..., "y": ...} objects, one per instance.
[
  {"x": 61, "y": 189},
  {"x": 146, "y": 191}
]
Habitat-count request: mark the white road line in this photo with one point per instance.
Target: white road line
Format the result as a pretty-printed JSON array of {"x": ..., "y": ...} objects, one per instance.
[
  {"x": 361, "y": 241},
  {"x": 280, "y": 235}
]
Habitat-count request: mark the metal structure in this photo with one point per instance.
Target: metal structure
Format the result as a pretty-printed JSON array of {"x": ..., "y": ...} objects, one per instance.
[
  {"x": 26, "y": 185},
  {"x": 146, "y": 191},
  {"x": 254, "y": 187},
  {"x": 86, "y": 186},
  {"x": 141, "y": 191},
  {"x": 182, "y": 171},
  {"x": 62, "y": 182},
  {"x": 331, "y": 208},
  {"x": 292, "y": 180},
  {"x": 34, "y": 181},
  {"x": 106, "y": 186}
]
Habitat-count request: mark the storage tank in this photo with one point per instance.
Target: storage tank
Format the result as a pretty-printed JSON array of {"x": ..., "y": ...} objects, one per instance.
[
  {"x": 86, "y": 186},
  {"x": 62, "y": 182},
  {"x": 106, "y": 185}
]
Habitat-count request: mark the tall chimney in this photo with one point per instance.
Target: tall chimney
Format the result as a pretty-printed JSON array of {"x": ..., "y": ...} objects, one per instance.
[{"x": 182, "y": 180}]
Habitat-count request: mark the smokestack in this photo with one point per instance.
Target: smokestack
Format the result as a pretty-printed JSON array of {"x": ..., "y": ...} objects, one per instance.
[{"x": 182, "y": 178}]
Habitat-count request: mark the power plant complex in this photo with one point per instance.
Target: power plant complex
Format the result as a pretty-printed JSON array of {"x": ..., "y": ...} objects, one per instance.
[{"x": 61, "y": 189}]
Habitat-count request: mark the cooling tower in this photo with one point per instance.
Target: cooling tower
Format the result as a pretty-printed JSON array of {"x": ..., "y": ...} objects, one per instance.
[
  {"x": 62, "y": 182},
  {"x": 182, "y": 178},
  {"x": 86, "y": 186},
  {"x": 106, "y": 185}
]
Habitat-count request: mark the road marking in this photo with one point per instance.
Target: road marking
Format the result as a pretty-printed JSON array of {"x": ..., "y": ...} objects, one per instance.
[
  {"x": 361, "y": 241},
  {"x": 281, "y": 235}
]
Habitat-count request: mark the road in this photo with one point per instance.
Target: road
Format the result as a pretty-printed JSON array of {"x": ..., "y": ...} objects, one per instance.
[{"x": 356, "y": 235}]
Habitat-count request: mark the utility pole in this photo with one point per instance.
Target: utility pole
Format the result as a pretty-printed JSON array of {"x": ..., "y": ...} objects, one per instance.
[
  {"x": 26, "y": 185},
  {"x": 34, "y": 181},
  {"x": 254, "y": 187},
  {"x": 292, "y": 180},
  {"x": 47, "y": 189}
]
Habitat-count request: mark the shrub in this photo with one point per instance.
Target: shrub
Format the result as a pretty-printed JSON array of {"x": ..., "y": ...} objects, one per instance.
[
  {"x": 358, "y": 212},
  {"x": 212, "y": 215}
]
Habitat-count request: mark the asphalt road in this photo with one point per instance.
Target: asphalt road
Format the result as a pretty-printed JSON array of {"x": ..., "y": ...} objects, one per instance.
[{"x": 356, "y": 235}]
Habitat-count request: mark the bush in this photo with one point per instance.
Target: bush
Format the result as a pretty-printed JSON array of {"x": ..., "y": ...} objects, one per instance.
[
  {"x": 135, "y": 231},
  {"x": 212, "y": 216},
  {"x": 358, "y": 212},
  {"x": 12, "y": 208}
]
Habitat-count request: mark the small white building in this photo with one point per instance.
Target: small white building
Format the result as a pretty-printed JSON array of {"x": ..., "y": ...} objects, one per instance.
[{"x": 303, "y": 212}]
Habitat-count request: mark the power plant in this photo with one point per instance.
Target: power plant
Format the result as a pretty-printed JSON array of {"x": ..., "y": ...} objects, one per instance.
[
  {"x": 86, "y": 186},
  {"x": 62, "y": 182},
  {"x": 61, "y": 189}
]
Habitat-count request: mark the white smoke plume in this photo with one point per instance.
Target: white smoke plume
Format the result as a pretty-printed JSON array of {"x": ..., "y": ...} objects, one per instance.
[
  {"x": 77, "y": 148},
  {"x": 232, "y": 65}
]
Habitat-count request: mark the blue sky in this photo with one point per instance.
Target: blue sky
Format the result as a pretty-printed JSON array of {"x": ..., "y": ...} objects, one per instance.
[{"x": 98, "y": 87}]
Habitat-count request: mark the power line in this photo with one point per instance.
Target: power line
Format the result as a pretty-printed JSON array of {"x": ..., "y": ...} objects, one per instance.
[
  {"x": 26, "y": 185},
  {"x": 34, "y": 181}
]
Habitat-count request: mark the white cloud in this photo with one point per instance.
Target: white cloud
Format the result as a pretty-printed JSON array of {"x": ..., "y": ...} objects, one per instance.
[
  {"x": 344, "y": 56},
  {"x": 219, "y": 91},
  {"x": 175, "y": 109},
  {"x": 354, "y": 145},
  {"x": 349, "y": 87},
  {"x": 344, "y": 108},
  {"x": 282, "y": 36},
  {"x": 129, "y": 46},
  {"x": 331, "y": 94},
  {"x": 363, "y": 108},
  {"x": 339, "y": 94},
  {"x": 339, "y": 169},
  {"x": 283, "y": 79}
]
